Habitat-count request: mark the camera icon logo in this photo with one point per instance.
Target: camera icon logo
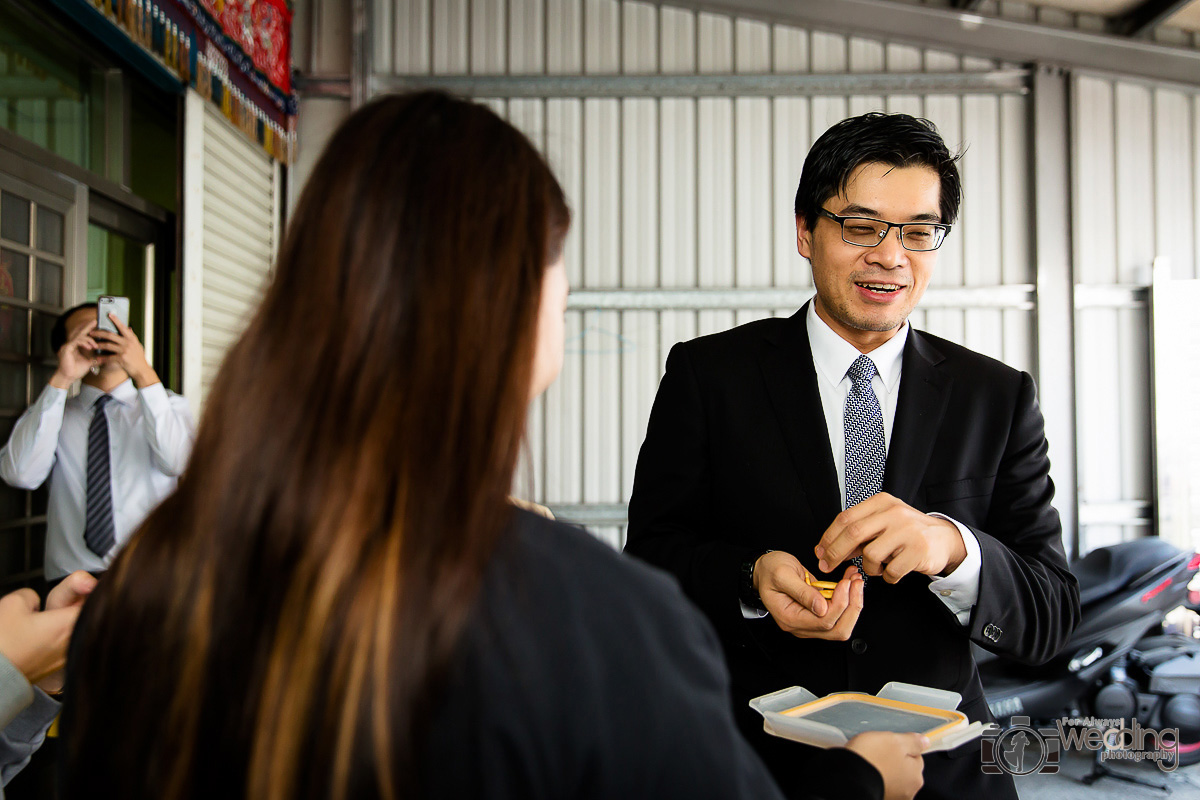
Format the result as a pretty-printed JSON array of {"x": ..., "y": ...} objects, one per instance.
[{"x": 1020, "y": 749}]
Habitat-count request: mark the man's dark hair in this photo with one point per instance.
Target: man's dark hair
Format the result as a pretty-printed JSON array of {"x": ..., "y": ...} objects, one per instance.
[
  {"x": 899, "y": 140},
  {"x": 58, "y": 334}
]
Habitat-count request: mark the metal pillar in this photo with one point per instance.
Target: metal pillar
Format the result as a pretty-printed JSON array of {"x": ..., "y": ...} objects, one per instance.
[{"x": 1055, "y": 331}]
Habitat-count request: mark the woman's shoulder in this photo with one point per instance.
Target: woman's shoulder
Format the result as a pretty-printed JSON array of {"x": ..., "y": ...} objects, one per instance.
[
  {"x": 590, "y": 674},
  {"x": 546, "y": 555},
  {"x": 561, "y": 600}
]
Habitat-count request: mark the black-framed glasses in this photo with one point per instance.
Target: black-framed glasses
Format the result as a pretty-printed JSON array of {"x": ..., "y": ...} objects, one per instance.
[{"x": 867, "y": 232}]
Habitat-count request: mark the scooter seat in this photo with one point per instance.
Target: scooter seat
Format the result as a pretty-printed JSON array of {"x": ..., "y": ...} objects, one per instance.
[{"x": 1110, "y": 569}]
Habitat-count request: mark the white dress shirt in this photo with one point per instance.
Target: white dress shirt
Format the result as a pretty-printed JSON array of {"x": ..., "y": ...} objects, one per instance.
[
  {"x": 832, "y": 356},
  {"x": 150, "y": 434}
]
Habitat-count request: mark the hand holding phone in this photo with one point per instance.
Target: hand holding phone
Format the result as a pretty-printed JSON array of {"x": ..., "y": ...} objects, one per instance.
[
  {"x": 120, "y": 344},
  {"x": 76, "y": 356}
]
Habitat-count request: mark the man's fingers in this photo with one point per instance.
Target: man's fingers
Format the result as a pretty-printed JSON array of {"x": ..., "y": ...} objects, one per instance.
[
  {"x": 879, "y": 552},
  {"x": 84, "y": 329},
  {"x": 853, "y": 528},
  {"x": 795, "y": 587},
  {"x": 838, "y": 604},
  {"x": 902, "y": 562},
  {"x": 838, "y": 545},
  {"x": 125, "y": 331},
  {"x": 854, "y": 606},
  {"x": 830, "y": 624}
]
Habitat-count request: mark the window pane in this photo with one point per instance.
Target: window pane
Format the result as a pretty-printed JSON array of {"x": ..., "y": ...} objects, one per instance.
[
  {"x": 42, "y": 323},
  {"x": 50, "y": 231},
  {"x": 14, "y": 218},
  {"x": 12, "y": 386},
  {"x": 37, "y": 546},
  {"x": 12, "y": 551},
  {"x": 47, "y": 278},
  {"x": 14, "y": 331},
  {"x": 41, "y": 499},
  {"x": 7, "y": 422},
  {"x": 14, "y": 274},
  {"x": 12, "y": 503}
]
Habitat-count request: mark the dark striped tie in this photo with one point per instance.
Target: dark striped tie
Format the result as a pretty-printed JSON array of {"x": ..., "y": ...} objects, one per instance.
[
  {"x": 866, "y": 452},
  {"x": 98, "y": 532}
]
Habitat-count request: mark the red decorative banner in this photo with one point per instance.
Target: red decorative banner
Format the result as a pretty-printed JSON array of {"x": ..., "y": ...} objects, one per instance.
[{"x": 261, "y": 29}]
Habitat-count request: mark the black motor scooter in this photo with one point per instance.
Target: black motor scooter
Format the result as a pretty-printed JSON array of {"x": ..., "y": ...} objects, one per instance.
[{"x": 1120, "y": 663}]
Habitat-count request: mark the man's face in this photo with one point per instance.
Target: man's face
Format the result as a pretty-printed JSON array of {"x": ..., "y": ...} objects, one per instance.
[{"x": 866, "y": 293}]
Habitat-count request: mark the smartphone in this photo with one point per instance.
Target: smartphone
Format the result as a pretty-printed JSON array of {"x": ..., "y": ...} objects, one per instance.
[{"x": 105, "y": 305}]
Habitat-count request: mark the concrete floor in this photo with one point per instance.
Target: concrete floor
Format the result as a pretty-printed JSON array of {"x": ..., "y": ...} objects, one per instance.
[{"x": 1182, "y": 784}]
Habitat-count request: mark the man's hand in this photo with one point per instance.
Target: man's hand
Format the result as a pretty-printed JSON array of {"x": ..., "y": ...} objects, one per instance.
[
  {"x": 76, "y": 356},
  {"x": 893, "y": 539},
  {"x": 127, "y": 352},
  {"x": 69, "y": 594},
  {"x": 799, "y": 608},
  {"x": 34, "y": 641},
  {"x": 898, "y": 758}
]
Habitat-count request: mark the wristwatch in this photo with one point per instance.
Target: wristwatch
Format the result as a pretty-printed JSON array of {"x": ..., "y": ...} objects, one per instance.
[{"x": 746, "y": 591}]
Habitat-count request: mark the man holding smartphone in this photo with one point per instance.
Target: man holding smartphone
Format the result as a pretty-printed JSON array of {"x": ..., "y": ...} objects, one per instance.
[{"x": 112, "y": 451}]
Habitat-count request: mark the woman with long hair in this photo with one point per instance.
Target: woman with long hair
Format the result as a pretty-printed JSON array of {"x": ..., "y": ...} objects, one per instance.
[{"x": 340, "y": 600}]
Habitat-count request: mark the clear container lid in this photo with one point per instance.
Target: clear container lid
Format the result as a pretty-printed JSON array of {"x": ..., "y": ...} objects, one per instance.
[{"x": 833, "y": 720}]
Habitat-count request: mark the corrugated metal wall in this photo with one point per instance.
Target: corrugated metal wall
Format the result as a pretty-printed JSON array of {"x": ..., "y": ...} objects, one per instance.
[
  {"x": 231, "y": 233},
  {"x": 683, "y": 218},
  {"x": 1136, "y": 173},
  {"x": 696, "y": 192}
]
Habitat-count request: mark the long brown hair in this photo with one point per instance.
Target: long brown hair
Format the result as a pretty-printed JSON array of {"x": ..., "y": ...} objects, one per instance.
[{"x": 277, "y": 628}]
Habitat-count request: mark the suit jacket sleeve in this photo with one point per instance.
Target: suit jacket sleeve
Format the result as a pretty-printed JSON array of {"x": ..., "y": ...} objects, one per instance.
[
  {"x": 1027, "y": 594},
  {"x": 25, "y": 714},
  {"x": 669, "y": 510}
]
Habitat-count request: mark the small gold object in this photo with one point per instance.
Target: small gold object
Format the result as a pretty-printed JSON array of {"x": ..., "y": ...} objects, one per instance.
[{"x": 824, "y": 587}]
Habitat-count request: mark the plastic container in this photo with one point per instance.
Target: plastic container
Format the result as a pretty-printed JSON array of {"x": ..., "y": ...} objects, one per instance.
[{"x": 833, "y": 720}]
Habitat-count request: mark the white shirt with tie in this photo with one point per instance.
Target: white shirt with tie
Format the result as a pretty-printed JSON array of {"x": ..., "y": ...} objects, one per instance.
[
  {"x": 150, "y": 434},
  {"x": 832, "y": 356}
]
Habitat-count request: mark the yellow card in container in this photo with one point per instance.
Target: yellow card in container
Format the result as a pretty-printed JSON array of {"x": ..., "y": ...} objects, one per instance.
[{"x": 854, "y": 713}]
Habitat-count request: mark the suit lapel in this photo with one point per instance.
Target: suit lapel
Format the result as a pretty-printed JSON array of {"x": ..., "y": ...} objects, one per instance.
[
  {"x": 924, "y": 393},
  {"x": 791, "y": 379}
]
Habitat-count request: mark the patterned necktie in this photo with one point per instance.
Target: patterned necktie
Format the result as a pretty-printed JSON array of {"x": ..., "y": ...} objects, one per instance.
[
  {"x": 863, "y": 426},
  {"x": 98, "y": 532}
]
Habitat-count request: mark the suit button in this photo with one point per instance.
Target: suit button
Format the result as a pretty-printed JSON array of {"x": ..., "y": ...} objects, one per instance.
[{"x": 858, "y": 646}]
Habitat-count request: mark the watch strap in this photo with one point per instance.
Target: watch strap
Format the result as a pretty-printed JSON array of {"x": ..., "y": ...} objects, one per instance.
[{"x": 746, "y": 591}]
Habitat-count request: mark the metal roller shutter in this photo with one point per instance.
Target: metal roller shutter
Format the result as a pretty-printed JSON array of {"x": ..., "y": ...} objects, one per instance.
[{"x": 232, "y": 197}]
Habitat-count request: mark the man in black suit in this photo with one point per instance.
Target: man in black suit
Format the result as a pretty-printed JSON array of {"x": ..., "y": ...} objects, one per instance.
[{"x": 841, "y": 440}]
